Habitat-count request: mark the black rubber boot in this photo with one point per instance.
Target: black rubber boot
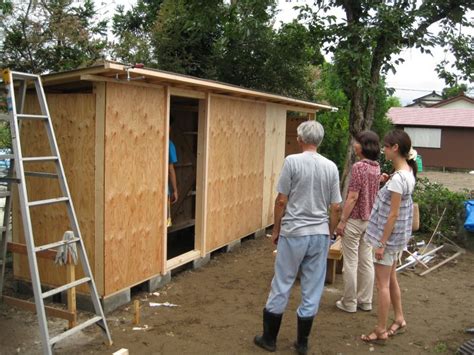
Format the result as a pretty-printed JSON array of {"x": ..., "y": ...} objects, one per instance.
[
  {"x": 304, "y": 328},
  {"x": 271, "y": 327}
]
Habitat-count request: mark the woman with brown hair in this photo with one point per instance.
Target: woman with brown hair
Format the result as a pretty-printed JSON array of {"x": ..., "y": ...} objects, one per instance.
[{"x": 388, "y": 231}]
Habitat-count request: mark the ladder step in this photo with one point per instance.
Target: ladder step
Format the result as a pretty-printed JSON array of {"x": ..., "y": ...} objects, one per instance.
[
  {"x": 56, "y": 244},
  {"x": 9, "y": 179},
  {"x": 40, "y": 159},
  {"x": 74, "y": 330},
  {"x": 31, "y": 117},
  {"x": 22, "y": 76},
  {"x": 5, "y": 194},
  {"x": 57, "y": 290},
  {"x": 7, "y": 156},
  {"x": 41, "y": 174},
  {"x": 48, "y": 201},
  {"x": 3, "y": 229},
  {"x": 5, "y": 117}
]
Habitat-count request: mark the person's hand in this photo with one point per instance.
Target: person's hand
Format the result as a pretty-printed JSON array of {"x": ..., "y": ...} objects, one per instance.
[
  {"x": 174, "y": 197},
  {"x": 275, "y": 235},
  {"x": 384, "y": 177},
  {"x": 340, "y": 228},
  {"x": 379, "y": 253}
]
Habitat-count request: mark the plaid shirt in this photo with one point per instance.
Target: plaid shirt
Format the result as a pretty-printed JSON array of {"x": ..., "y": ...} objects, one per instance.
[{"x": 378, "y": 218}]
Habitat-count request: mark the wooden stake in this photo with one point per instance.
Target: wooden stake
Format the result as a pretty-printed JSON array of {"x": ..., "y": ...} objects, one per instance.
[
  {"x": 136, "y": 306},
  {"x": 71, "y": 293}
]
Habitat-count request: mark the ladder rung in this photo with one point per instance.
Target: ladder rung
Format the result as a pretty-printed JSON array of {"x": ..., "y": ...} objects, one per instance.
[
  {"x": 74, "y": 330},
  {"x": 40, "y": 159},
  {"x": 48, "y": 201},
  {"x": 41, "y": 174},
  {"x": 56, "y": 244},
  {"x": 31, "y": 117},
  {"x": 5, "y": 194},
  {"x": 16, "y": 75},
  {"x": 9, "y": 179},
  {"x": 4, "y": 117},
  {"x": 57, "y": 290},
  {"x": 7, "y": 156},
  {"x": 3, "y": 229}
]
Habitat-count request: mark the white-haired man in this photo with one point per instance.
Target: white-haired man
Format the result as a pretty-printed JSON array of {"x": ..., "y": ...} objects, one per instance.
[{"x": 308, "y": 188}]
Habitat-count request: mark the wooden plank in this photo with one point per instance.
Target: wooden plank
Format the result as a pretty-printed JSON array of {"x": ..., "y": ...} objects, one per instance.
[
  {"x": 71, "y": 293},
  {"x": 135, "y": 185},
  {"x": 165, "y": 160},
  {"x": 187, "y": 93},
  {"x": 452, "y": 257},
  {"x": 275, "y": 127},
  {"x": 104, "y": 79},
  {"x": 235, "y": 170},
  {"x": 201, "y": 175},
  {"x": 213, "y": 85},
  {"x": 73, "y": 117},
  {"x": 182, "y": 259},
  {"x": 100, "y": 95},
  {"x": 30, "y": 306}
]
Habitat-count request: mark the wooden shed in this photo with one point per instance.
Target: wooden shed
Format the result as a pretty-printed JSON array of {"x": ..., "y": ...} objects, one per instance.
[{"x": 112, "y": 124}]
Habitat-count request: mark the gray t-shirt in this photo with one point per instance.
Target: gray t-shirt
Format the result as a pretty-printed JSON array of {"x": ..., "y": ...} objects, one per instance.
[{"x": 311, "y": 183}]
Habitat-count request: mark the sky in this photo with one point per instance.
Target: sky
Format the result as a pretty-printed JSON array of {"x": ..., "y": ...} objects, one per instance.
[{"x": 414, "y": 78}]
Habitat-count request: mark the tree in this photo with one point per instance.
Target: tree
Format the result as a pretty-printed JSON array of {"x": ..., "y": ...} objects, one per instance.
[
  {"x": 367, "y": 42},
  {"x": 54, "y": 35},
  {"x": 454, "y": 90},
  {"x": 133, "y": 30}
]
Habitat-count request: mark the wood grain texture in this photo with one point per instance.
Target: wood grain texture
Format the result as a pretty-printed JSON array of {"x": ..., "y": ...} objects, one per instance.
[
  {"x": 275, "y": 128},
  {"x": 73, "y": 117},
  {"x": 135, "y": 176},
  {"x": 235, "y": 170}
]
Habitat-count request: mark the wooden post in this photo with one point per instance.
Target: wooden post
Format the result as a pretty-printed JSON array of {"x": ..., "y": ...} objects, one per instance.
[
  {"x": 136, "y": 306},
  {"x": 71, "y": 293}
]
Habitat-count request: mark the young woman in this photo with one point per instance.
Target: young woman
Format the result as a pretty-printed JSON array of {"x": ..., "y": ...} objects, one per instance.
[
  {"x": 388, "y": 231},
  {"x": 363, "y": 188}
]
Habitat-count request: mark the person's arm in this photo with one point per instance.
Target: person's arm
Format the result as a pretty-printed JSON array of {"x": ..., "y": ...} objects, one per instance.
[
  {"x": 351, "y": 201},
  {"x": 334, "y": 213},
  {"x": 279, "y": 211},
  {"x": 395, "y": 201},
  {"x": 174, "y": 185}
]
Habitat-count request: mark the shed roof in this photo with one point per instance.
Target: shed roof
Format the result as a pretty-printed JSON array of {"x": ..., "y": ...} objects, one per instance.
[
  {"x": 112, "y": 71},
  {"x": 460, "y": 97},
  {"x": 424, "y": 116}
]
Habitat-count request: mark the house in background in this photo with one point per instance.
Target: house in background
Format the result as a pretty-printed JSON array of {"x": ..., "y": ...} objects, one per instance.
[
  {"x": 427, "y": 100},
  {"x": 458, "y": 101},
  {"x": 443, "y": 137}
]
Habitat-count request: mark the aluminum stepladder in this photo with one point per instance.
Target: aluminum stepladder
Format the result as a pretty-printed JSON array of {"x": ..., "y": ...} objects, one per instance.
[{"x": 15, "y": 115}]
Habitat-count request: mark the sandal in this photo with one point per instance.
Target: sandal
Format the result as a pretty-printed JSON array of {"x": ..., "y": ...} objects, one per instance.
[
  {"x": 397, "y": 328},
  {"x": 375, "y": 337}
]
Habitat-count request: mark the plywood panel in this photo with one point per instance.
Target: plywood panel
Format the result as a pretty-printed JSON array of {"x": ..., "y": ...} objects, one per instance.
[
  {"x": 275, "y": 128},
  {"x": 73, "y": 118},
  {"x": 135, "y": 176},
  {"x": 235, "y": 170}
]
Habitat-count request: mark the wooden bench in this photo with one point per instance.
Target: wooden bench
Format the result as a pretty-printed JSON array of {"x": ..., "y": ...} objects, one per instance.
[{"x": 334, "y": 264}]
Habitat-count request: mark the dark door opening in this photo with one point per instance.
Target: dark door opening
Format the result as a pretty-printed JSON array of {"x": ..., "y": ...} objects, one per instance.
[{"x": 184, "y": 134}]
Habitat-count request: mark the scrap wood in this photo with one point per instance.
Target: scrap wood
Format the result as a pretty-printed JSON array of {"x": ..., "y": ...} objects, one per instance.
[
  {"x": 413, "y": 262},
  {"x": 136, "y": 306},
  {"x": 452, "y": 257},
  {"x": 436, "y": 229}
]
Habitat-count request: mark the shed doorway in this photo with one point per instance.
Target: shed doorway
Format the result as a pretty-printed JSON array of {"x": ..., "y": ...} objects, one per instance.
[{"x": 184, "y": 120}]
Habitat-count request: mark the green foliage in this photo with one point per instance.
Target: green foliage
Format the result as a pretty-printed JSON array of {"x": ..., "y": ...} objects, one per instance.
[
  {"x": 5, "y": 136},
  {"x": 454, "y": 90},
  {"x": 432, "y": 199},
  {"x": 52, "y": 36}
]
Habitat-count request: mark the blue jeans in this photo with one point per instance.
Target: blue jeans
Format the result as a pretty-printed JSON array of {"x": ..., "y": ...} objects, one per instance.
[{"x": 308, "y": 253}]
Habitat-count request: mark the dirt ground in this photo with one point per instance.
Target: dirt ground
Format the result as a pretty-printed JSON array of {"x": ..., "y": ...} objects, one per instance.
[
  {"x": 220, "y": 305},
  {"x": 455, "y": 181}
]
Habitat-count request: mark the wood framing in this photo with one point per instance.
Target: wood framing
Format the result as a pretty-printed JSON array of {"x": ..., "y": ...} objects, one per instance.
[{"x": 112, "y": 127}]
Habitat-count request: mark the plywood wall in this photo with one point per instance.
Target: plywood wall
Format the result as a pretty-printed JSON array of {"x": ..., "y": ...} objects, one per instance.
[
  {"x": 235, "y": 169},
  {"x": 135, "y": 146},
  {"x": 73, "y": 118},
  {"x": 275, "y": 128}
]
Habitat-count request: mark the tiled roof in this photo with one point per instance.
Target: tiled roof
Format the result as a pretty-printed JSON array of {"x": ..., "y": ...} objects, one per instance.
[{"x": 424, "y": 116}]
